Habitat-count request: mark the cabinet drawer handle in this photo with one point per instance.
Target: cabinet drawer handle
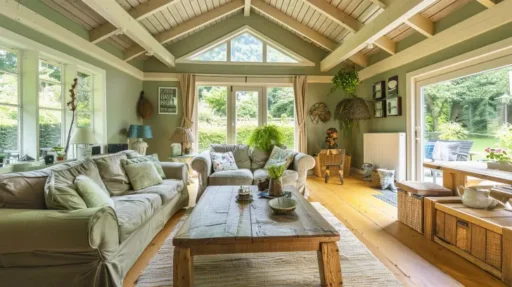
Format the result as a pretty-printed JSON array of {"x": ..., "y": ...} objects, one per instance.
[{"x": 462, "y": 223}]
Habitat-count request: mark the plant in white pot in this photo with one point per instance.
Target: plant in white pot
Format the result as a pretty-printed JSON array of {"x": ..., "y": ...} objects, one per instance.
[
  {"x": 499, "y": 159},
  {"x": 275, "y": 173}
]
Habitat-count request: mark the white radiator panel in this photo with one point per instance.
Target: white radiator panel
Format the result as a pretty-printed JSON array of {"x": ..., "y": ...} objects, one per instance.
[{"x": 386, "y": 150}]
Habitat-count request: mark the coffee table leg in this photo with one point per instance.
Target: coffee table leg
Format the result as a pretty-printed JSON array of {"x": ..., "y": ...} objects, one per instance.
[
  {"x": 329, "y": 264},
  {"x": 183, "y": 267}
]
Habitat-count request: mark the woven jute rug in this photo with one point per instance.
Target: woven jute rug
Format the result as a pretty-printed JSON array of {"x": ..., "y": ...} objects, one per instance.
[{"x": 359, "y": 266}]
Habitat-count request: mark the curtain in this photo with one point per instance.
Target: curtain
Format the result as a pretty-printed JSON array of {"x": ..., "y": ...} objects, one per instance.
[
  {"x": 188, "y": 98},
  {"x": 300, "y": 87}
]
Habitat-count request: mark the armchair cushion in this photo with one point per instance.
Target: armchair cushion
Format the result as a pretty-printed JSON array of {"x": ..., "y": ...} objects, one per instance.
[
  {"x": 231, "y": 177},
  {"x": 240, "y": 153},
  {"x": 290, "y": 177},
  {"x": 133, "y": 210}
]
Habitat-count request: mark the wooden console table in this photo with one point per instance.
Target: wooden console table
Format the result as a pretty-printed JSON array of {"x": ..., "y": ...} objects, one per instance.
[{"x": 455, "y": 173}]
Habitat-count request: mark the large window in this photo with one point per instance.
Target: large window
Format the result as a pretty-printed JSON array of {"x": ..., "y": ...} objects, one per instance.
[
  {"x": 230, "y": 117},
  {"x": 51, "y": 105},
  {"x": 9, "y": 101},
  {"x": 84, "y": 94}
]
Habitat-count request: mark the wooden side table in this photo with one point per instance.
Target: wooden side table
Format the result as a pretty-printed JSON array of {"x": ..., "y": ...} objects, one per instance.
[{"x": 186, "y": 159}]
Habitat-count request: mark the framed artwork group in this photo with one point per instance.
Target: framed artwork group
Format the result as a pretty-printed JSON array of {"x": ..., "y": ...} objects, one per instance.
[{"x": 390, "y": 105}]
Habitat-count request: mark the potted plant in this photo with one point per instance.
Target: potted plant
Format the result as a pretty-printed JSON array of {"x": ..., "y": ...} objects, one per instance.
[
  {"x": 499, "y": 159},
  {"x": 60, "y": 152},
  {"x": 265, "y": 137},
  {"x": 275, "y": 173}
]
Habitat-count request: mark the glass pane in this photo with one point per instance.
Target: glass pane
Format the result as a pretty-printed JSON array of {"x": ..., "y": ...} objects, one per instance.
[
  {"x": 276, "y": 56},
  {"x": 50, "y": 128},
  {"x": 281, "y": 112},
  {"x": 50, "y": 72},
  {"x": 246, "y": 114},
  {"x": 50, "y": 95},
  {"x": 8, "y": 61},
  {"x": 246, "y": 48},
  {"x": 83, "y": 100},
  {"x": 8, "y": 128},
  {"x": 84, "y": 81},
  {"x": 212, "y": 114},
  {"x": 83, "y": 119},
  {"x": 8, "y": 88},
  {"x": 465, "y": 116},
  {"x": 219, "y": 53}
]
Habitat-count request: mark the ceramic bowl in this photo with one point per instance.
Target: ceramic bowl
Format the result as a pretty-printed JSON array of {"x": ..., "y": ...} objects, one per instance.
[{"x": 282, "y": 205}]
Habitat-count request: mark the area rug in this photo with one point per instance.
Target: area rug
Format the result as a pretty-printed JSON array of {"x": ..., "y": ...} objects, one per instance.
[
  {"x": 359, "y": 266},
  {"x": 387, "y": 196}
]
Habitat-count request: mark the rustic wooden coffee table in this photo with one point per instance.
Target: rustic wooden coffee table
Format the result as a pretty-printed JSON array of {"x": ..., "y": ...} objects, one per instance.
[{"x": 221, "y": 225}]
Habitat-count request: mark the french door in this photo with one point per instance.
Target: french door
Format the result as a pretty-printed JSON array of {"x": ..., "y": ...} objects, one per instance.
[{"x": 245, "y": 112}]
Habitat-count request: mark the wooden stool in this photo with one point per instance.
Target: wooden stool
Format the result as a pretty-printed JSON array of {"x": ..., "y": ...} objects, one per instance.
[
  {"x": 333, "y": 161},
  {"x": 410, "y": 201}
]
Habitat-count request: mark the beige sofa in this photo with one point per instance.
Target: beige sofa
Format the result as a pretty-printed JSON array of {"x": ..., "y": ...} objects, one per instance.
[
  {"x": 250, "y": 163},
  {"x": 87, "y": 247}
]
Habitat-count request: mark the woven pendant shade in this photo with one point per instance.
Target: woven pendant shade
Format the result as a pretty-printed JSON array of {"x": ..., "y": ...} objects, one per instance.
[
  {"x": 353, "y": 109},
  {"x": 144, "y": 107}
]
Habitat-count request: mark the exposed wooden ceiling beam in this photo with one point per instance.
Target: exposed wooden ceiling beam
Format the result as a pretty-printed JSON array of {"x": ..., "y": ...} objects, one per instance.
[
  {"x": 140, "y": 12},
  {"x": 381, "y": 3},
  {"x": 359, "y": 59},
  {"x": 336, "y": 15},
  {"x": 115, "y": 14},
  {"x": 247, "y": 8},
  {"x": 487, "y": 3},
  {"x": 480, "y": 23},
  {"x": 386, "y": 44},
  {"x": 421, "y": 24},
  {"x": 393, "y": 16},
  {"x": 189, "y": 26}
]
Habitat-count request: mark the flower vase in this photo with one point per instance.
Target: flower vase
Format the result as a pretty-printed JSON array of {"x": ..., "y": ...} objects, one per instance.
[{"x": 275, "y": 187}]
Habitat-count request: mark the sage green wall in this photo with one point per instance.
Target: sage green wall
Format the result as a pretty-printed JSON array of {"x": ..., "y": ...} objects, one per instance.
[
  {"x": 258, "y": 23},
  {"x": 122, "y": 89}
]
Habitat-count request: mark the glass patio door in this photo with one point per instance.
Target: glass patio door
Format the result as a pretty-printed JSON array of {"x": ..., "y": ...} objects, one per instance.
[{"x": 247, "y": 113}]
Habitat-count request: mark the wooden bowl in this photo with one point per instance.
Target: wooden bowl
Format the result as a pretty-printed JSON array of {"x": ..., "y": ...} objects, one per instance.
[{"x": 282, "y": 205}]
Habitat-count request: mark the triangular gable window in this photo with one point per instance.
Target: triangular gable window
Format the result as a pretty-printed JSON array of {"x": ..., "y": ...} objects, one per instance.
[{"x": 245, "y": 45}]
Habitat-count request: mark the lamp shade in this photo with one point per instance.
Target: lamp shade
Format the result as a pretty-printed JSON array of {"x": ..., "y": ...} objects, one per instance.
[
  {"x": 182, "y": 135},
  {"x": 83, "y": 136},
  {"x": 140, "y": 132}
]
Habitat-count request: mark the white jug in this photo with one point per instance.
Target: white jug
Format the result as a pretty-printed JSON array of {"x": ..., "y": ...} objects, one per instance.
[{"x": 477, "y": 197}]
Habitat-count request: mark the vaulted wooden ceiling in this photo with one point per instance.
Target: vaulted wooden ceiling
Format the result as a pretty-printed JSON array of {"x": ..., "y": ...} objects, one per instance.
[{"x": 326, "y": 23}]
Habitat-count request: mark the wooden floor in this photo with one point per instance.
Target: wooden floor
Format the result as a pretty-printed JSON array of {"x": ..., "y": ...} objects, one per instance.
[{"x": 413, "y": 259}]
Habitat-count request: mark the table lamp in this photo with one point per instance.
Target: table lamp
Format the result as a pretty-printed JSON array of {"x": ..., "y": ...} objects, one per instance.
[
  {"x": 182, "y": 136},
  {"x": 140, "y": 132},
  {"x": 85, "y": 137}
]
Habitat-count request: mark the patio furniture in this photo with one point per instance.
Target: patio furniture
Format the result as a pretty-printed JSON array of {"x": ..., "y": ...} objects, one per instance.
[{"x": 447, "y": 150}]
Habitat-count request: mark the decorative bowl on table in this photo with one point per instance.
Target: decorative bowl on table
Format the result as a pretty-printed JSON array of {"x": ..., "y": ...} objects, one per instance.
[{"x": 282, "y": 205}]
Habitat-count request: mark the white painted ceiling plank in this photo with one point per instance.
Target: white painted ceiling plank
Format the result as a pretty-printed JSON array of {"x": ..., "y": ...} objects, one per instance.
[{"x": 335, "y": 14}]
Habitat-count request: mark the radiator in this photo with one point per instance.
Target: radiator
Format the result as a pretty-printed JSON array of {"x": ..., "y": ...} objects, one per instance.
[{"x": 386, "y": 150}]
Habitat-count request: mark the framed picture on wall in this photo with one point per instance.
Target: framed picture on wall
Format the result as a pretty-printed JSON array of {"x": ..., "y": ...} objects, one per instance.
[
  {"x": 168, "y": 100},
  {"x": 379, "y": 109},
  {"x": 393, "y": 86},
  {"x": 394, "y": 106},
  {"x": 379, "y": 91}
]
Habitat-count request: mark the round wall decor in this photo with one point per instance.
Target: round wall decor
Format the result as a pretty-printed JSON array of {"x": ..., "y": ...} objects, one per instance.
[{"x": 319, "y": 112}]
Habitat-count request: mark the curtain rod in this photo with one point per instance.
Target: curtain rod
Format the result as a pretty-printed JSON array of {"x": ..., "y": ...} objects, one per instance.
[{"x": 247, "y": 76}]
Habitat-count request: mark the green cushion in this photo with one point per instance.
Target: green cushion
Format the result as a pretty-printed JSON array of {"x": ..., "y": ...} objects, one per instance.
[
  {"x": 280, "y": 156},
  {"x": 150, "y": 158},
  {"x": 92, "y": 193},
  {"x": 60, "y": 189},
  {"x": 141, "y": 174}
]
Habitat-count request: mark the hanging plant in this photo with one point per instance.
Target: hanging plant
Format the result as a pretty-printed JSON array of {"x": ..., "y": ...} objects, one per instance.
[{"x": 345, "y": 80}]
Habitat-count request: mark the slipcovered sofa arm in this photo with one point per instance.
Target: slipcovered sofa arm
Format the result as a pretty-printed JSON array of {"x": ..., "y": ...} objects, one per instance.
[
  {"x": 175, "y": 170},
  {"x": 301, "y": 164},
  {"x": 26, "y": 230},
  {"x": 202, "y": 164}
]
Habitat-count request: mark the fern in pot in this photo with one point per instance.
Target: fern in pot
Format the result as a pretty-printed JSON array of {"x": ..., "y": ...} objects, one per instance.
[
  {"x": 265, "y": 137},
  {"x": 275, "y": 174}
]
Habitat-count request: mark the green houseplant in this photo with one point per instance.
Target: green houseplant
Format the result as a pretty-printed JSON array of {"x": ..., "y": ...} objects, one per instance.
[
  {"x": 265, "y": 137},
  {"x": 275, "y": 173}
]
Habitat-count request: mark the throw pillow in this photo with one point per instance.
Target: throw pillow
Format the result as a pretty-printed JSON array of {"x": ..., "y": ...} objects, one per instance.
[
  {"x": 223, "y": 161},
  {"x": 112, "y": 173},
  {"x": 92, "y": 193},
  {"x": 387, "y": 179},
  {"x": 60, "y": 189},
  {"x": 280, "y": 156},
  {"x": 150, "y": 158},
  {"x": 142, "y": 174}
]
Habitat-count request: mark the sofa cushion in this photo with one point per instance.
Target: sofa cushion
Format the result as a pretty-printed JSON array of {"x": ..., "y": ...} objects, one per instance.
[
  {"x": 148, "y": 158},
  {"x": 290, "y": 177},
  {"x": 167, "y": 190},
  {"x": 223, "y": 161},
  {"x": 92, "y": 193},
  {"x": 23, "y": 190},
  {"x": 258, "y": 158},
  {"x": 231, "y": 177},
  {"x": 141, "y": 174},
  {"x": 280, "y": 156},
  {"x": 133, "y": 210},
  {"x": 112, "y": 173},
  {"x": 60, "y": 189},
  {"x": 240, "y": 153}
]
